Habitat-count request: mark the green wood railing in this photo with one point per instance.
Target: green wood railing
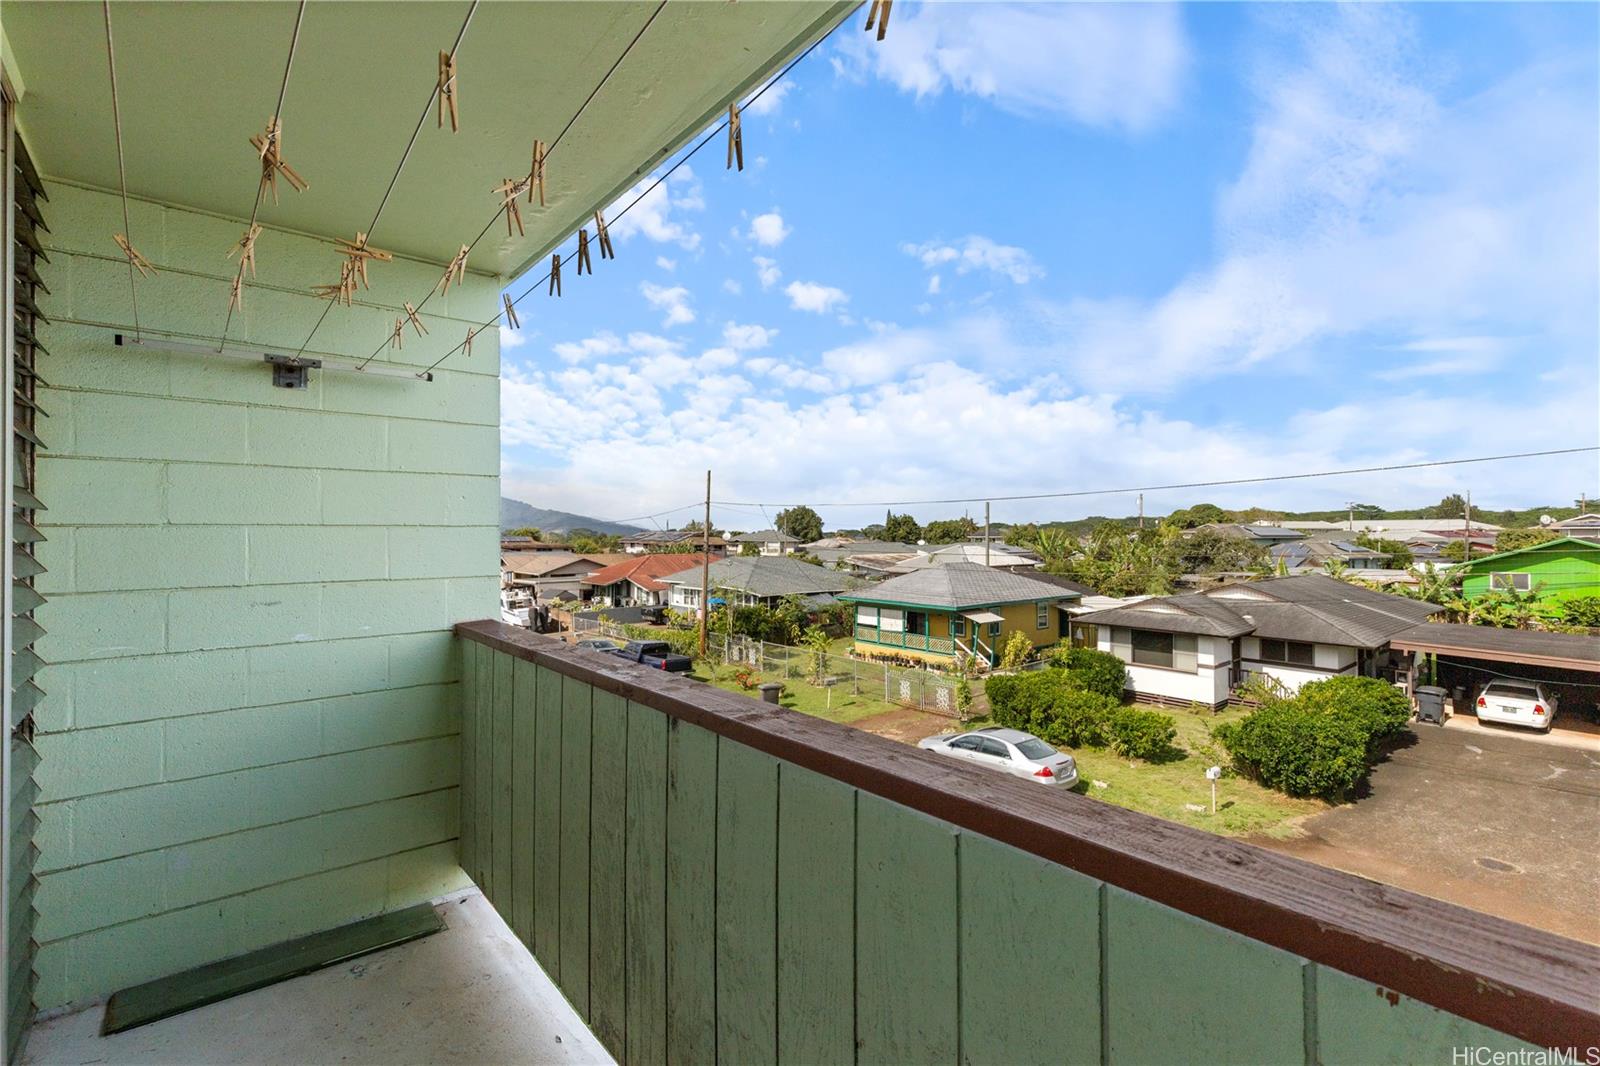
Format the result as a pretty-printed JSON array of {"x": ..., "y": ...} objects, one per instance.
[
  {"x": 712, "y": 879},
  {"x": 915, "y": 641}
]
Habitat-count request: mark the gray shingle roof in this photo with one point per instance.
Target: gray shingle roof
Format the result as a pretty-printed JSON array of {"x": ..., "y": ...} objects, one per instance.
[
  {"x": 1192, "y": 612},
  {"x": 764, "y": 536},
  {"x": 957, "y": 585},
  {"x": 766, "y": 575}
]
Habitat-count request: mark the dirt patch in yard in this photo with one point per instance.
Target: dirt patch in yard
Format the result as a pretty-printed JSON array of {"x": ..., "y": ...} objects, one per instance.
[{"x": 907, "y": 724}]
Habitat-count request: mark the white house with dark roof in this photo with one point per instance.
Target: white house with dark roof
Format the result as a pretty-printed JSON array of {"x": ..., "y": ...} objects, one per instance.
[
  {"x": 756, "y": 580},
  {"x": 767, "y": 542},
  {"x": 1196, "y": 648}
]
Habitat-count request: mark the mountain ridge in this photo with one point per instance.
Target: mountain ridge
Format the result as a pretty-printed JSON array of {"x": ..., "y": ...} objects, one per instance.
[{"x": 514, "y": 514}]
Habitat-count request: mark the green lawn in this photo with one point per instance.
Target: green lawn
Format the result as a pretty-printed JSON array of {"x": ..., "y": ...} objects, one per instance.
[{"x": 835, "y": 704}]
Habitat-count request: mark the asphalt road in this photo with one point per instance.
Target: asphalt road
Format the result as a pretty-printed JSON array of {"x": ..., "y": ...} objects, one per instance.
[{"x": 1488, "y": 821}]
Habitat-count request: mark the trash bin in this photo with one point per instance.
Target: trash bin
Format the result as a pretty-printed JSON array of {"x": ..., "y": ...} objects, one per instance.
[
  {"x": 1430, "y": 704},
  {"x": 771, "y": 691}
]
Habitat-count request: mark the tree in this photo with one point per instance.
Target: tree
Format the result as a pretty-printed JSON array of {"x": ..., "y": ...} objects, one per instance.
[
  {"x": 1209, "y": 551},
  {"x": 1055, "y": 547},
  {"x": 1512, "y": 539},
  {"x": 530, "y": 532},
  {"x": 1452, "y": 506},
  {"x": 1455, "y": 551},
  {"x": 1015, "y": 651},
  {"x": 1366, "y": 510},
  {"x": 749, "y": 548},
  {"x": 902, "y": 528},
  {"x": 1400, "y": 556},
  {"x": 694, "y": 525},
  {"x": 1201, "y": 514},
  {"x": 949, "y": 530},
  {"x": 1119, "y": 562},
  {"x": 801, "y": 523},
  {"x": 588, "y": 542}
]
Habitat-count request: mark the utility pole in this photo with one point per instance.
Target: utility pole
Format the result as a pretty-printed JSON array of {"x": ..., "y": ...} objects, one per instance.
[
  {"x": 1350, "y": 519},
  {"x": 986, "y": 532},
  {"x": 705, "y": 570},
  {"x": 1468, "y": 542},
  {"x": 1141, "y": 510}
]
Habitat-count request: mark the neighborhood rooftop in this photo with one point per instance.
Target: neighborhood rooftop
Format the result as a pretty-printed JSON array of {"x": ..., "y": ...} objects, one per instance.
[
  {"x": 959, "y": 585},
  {"x": 764, "y": 575}
]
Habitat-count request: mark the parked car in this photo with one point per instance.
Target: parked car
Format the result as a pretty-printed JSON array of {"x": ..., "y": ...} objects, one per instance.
[
  {"x": 597, "y": 644},
  {"x": 656, "y": 654},
  {"x": 1010, "y": 750},
  {"x": 1514, "y": 702}
]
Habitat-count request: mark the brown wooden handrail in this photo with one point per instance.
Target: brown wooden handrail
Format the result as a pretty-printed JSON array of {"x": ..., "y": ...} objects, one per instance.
[{"x": 1522, "y": 981}]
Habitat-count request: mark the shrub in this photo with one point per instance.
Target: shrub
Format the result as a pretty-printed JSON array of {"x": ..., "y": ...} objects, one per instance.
[
  {"x": 1097, "y": 671},
  {"x": 1581, "y": 611},
  {"x": 1377, "y": 706},
  {"x": 1298, "y": 750},
  {"x": 1015, "y": 651},
  {"x": 747, "y": 678},
  {"x": 1052, "y": 705},
  {"x": 682, "y": 641},
  {"x": 1136, "y": 733}
]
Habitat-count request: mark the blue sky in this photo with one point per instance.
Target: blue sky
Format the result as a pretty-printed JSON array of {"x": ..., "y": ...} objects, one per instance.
[{"x": 1018, "y": 249}]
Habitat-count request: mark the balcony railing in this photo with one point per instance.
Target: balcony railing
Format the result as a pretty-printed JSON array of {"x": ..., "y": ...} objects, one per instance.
[
  {"x": 914, "y": 641},
  {"x": 709, "y": 878}
]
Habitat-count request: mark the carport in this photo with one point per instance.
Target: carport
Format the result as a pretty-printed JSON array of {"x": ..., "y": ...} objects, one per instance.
[{"x": 1469, "y": 657}]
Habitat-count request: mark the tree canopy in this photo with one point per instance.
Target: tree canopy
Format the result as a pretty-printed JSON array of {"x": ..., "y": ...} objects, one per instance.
[
  {"x": 902, "y": 528},
  {"x": 949, "y": 530},
  {"x": 801, "y": 523}
]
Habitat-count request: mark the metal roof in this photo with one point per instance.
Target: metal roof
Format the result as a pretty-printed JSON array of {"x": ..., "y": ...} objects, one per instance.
[
  {"x": 1564, "y": 650},
  {"x": 767, "y": 575},
  {"x": 956, "y": 585}
]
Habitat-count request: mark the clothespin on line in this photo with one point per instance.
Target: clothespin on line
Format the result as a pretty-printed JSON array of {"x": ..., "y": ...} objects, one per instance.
[
  {"x": 735, "y": 137},
  {"x": 357, "y": 253},
  {"x": 246, "y": 247},
  {"x": 511, "y": 311},
  {"x": 509, "y": 190},
  {"x": 269, "y": 148},
  {"x": 603, "y": 237},
  {"x": 466, "y": 345},
  {"x": 555, "y": 275},
  {"x": 342, "y": 292},
  {"x": 455, "y": 273},
  {"x": 536, "y": 174},
  {"x": 416, "y": 323},
  {"x": 879, "y": 12},
  {"x": 583, "y": 252},
  {"x": 140, "y": 263},
  {"x": 397, "y": 339},
  {"x": 447, "y": 91},
  {"x": 236, "y": 291}
]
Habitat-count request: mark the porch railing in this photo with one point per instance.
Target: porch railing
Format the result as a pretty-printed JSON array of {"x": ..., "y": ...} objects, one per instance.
[
  {"x": 914, "y": 641},
  {"x": 709, "y": 878}
]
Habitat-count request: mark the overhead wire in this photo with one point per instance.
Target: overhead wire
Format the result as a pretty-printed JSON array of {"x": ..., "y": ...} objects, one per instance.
[
  {"x": 656, "y": 183},
  {"x": 406, "y": 155},
  {"x": 122, "y": 171},
  {"x": 261, "y": 186},
  {"x": 548, "y": 152}
]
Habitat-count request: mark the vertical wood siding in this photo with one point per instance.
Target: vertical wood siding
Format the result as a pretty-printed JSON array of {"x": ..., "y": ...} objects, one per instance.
[{"x": 698, "y": 901}]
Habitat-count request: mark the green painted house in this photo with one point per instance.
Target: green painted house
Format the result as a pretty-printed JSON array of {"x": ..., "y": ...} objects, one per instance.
[{"x": 1560, "y": 569}]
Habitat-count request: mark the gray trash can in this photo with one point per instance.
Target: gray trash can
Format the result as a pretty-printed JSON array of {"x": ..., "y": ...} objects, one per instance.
[{"x": 1430, "y": 704}]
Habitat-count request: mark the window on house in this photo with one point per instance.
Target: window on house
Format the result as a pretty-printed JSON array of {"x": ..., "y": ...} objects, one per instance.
[
  {"x": 994, "y": 629},
  {"x": 1042, "y": 618},
  {"x": 958, "y": 627},
  {"x": 1293, "y": 652},
  {"x": 867, "y": 617},
  {"x": 1508, "y": 582},
  {"x": 917, "y": 623},
  {"x": 1173, "y": 651}
]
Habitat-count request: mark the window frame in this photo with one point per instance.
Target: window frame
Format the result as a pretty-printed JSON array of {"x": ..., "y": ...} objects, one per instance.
[
  {"x": 1285, "y": 659},
  {"x": 1497, "y": 584},
  {"x": 1042, "y": 616}
]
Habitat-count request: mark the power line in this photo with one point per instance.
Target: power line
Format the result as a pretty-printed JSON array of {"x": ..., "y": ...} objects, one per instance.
[
  {"x": 649, "y": 189},
  {"x": 415, "y": 133},
  {"x": 1177, "y": 485},
  {"x": 548, "y": 153}
]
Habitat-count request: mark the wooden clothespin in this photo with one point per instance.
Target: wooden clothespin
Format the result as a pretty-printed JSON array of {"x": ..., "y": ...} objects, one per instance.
[
  {"x": 397, "y": 339},
  {"x": 140, "y": 263},
  {"x": 536, "y": 174},
  {"x": 466, "y": 345},
  {"x": 456, "y": 272},
  {"x": 236, "y": 293},
  {"x": 583, "y": 252},
  {"x": 344, "y": 291},
  {"x": 246, "y": 247},
  {"x": 447, "y": 91},
  {"x": 358, "y": 254},
  {"x": 509, "y": 190},
  {"x": 603, "y": 238},
  {"x": 555, "y": 275},
  {"x": 735, "y": 137},
  {"x": 511, "y": 311},
  {"x": 416, "y": 323},
  {"x": 879, "y": 12},
  {"x": 269, "y": 147}
]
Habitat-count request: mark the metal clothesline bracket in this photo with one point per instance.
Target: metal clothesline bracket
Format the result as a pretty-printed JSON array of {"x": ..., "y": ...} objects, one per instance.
[{"x": 288, "y": 371}]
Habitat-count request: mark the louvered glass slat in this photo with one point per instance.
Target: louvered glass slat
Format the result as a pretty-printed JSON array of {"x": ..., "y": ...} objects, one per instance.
[
  {"x": 24, "y": 565},
  {"x": 30, "y": 405},
  {"x": 25, "y": 663},
  {"x": 24, "y": 598},
  {"x": 25, "y": 697},
  {"x": 25, "y": 631},
  {"x": 21, "y": 497},
  {"x": 28, "y": 435},
  {"x": 24, "y": 531}
]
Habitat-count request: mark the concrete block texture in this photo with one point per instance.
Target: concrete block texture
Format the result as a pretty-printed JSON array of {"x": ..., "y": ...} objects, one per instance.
[{"x": 250, "y": 728}]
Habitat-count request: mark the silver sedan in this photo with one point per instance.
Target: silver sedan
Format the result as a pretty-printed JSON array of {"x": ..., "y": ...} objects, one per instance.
[{"x": 1009, "y": 750}]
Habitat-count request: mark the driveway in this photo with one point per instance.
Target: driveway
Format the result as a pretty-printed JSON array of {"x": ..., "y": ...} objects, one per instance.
[{"x": 1484, "y": 819}]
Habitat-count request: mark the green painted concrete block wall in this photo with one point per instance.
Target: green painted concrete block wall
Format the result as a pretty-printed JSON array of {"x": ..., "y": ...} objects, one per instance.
[{"x": 252, "y": 723}]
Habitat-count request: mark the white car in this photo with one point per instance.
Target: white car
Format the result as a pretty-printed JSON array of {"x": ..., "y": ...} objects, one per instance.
[
  {"x": 1009, "y": 750},
  {"x": 1526, "y": 703}
]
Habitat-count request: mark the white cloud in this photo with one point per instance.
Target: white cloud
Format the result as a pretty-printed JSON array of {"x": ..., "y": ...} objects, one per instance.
[
  {"x": 666, "y": 264},
  {"x": 934, "y": 284},
  {"x": 658, "y": 216},
  {"x": 732, "y": 287},
  {"x": 747, "y": 338},
  {"x": 769, "y": 98},
  {"x": 674, "y": 301},
  {"x": 605, "y": 344},
  {"x": 810, "y": 296},
  {"x": 976, "y": 253},
  {"x": 510, "y": 338},
  {"x": 767, "y": 271},
  {"x": 1115, "y": 65},
  {"x": 768, "y": 230}
]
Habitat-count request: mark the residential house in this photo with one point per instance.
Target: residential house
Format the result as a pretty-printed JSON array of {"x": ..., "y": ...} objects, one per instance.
[
  {"x": 667, "y": 540},
  {"x": 1389, "y": 528},
  {"x": 549, "y": 574},
  {"x": 1559, "y": 569},
  {"x": 1315, "y": 553},
  {"x": 834, "y": 550},
  {"x": 766, "y": 541},
  {"x": 1264, "y": 533},
  {"x": 996, "y": 556},
  {"x": 757, "y": 580},
  {"x": 937, "y": 614},
  {"x": 528, "y": 544},
  {"x": 637, "y": 580},
  {"x": 1197, "y": 647},
  {"x": 1585, "y": 526}
]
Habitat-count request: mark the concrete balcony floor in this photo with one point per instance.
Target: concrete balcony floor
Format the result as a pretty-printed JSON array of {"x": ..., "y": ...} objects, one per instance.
[{"x": 469, "y": 994}]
